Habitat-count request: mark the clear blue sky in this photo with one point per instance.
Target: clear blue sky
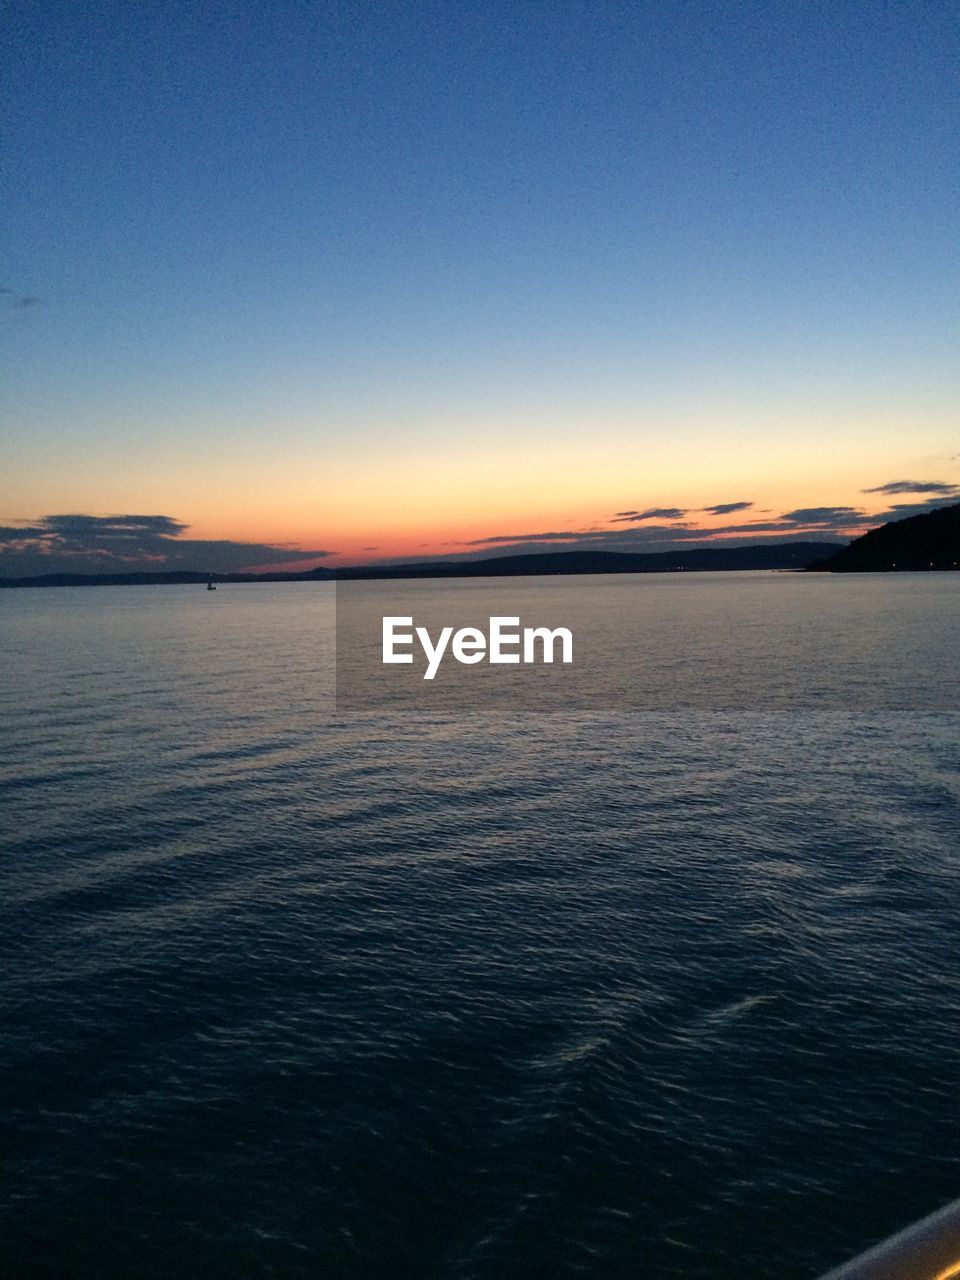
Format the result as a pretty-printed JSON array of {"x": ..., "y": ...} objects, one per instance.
[{"x": 325, "y": 247}]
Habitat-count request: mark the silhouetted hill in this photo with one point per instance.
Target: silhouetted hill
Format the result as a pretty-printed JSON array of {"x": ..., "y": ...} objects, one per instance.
[
  {"x": 929, "y": 541},
  {"x": 783, "y": 555},
  {"x": 780, "y": 555}
]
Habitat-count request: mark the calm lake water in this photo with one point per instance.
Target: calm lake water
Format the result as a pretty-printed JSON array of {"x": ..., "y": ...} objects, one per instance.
[{"x": 295, "y": 991}]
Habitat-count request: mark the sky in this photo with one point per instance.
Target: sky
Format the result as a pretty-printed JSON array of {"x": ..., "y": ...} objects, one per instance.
[{"x": 301, "y": 283}]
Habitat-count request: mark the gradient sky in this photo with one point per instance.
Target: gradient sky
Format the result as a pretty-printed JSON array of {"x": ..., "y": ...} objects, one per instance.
[{"x": 381, "y": 279}]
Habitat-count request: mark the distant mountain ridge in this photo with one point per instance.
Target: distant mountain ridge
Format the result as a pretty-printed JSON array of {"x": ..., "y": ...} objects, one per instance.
[
  {"x": 783, "y": 555},
  {"x": 924, "y": 542}
]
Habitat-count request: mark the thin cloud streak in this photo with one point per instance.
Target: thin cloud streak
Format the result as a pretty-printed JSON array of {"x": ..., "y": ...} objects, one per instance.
[
  {"x": 652, "y": 513},
  {"x": 915, "y": 486},
  {"x": 727, "y": 508}
]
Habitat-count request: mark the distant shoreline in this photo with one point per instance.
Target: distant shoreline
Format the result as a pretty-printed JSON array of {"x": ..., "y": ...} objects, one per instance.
[{"x": 784, "y": 556}]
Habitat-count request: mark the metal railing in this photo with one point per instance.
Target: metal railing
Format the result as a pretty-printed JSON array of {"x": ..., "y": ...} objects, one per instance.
[{"x": 928, "y": 1250}]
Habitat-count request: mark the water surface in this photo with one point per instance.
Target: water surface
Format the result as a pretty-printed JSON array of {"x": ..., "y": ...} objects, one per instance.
[{"x": 295, "y": 993}]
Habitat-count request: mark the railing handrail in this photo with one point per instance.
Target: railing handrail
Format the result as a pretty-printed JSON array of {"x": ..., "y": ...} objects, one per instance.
[{"x": 927, "y": 1250}]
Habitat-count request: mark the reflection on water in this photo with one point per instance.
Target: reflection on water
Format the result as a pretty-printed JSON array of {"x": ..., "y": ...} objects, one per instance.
[{"x": 290, "y": 992}]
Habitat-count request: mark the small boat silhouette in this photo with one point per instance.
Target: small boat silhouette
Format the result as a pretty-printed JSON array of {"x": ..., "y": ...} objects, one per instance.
[{"x": 211, "y": 585}]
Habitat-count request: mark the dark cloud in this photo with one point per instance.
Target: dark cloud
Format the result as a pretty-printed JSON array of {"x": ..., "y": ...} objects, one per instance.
[
  {"x": 775, "y": 525},
  {"x": 592, "y": 537},
  {"x": 652, "y": 513},
  {"x": 114, "y": 526},
  {"x": 914, "y": 486},
  {"x": 727, "y": 508},
  {"x": 117, "y": 544},
  {"x": 563, "y": 535},
  {"x": 824, "y": 517}
]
